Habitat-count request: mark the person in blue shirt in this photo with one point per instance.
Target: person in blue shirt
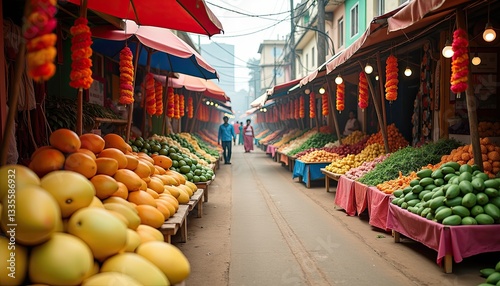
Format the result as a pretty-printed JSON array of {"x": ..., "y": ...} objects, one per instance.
[{"x": 226, "y": 135}]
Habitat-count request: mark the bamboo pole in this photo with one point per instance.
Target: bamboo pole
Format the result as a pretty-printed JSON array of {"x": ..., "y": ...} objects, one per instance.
[
  {"x": 377, "y": 109},
  {"x": 332, "y": 109},
  {"x": 471, "y": 105},
  {"x": 131, "y": 106},
  {"x": 381, "y": 81}
]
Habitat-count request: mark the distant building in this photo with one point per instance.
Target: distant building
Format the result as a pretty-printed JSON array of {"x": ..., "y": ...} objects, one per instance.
[
  {"x": 271, "y": 63},
  {"x": 221, "y": 57}
]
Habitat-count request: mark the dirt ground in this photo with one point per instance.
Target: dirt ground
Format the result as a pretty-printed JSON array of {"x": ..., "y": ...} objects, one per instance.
[{"x": 208, "y": 246}]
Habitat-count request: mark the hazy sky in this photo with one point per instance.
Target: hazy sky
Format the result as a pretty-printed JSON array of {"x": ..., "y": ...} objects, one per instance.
[{"x": 272, "y": 21}]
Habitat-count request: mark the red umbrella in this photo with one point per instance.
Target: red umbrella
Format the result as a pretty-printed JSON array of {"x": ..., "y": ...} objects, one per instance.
[
  {"x": 191, "y": 83},
  {"x": 182, "y": 15}
]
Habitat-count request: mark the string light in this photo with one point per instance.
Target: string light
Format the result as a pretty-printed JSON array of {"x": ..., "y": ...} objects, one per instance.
[
  {"x": 307, "y": 91},
  {"x": 321, "y": 90},
  {"x": 476, "y": 60},
  {"x": 339, "y": 80},
  {"x": 447, "y": 50},
  {"x": 489, "y": 34},
  {"x": 408, "y": 71},
  {"x": 368, "y": 68}
]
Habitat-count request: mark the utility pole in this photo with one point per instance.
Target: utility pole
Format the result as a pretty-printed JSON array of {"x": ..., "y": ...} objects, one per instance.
[
  {"x": 321, "y": 29},
  {"x": 292, "y": 41}
]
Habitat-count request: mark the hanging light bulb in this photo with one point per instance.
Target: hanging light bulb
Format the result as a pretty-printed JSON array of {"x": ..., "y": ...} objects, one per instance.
[
  {"x": 307, "y": 91},
  {"x": 408, "y": 71},
  {"x": 489, "y": 34},
  {"x": 376, "y": 77},
  {"x": 321, "y": 90},
  {"x": 211, "y": 103},
  {"x": 476, "y": 60},
  {"x": 447, "y": 50},
  {"x": 339, "y": 80},
  {"x": 368, "y": 68},
  {"x": 207, "y": 102},
  {"x": 216, "y": 105}
]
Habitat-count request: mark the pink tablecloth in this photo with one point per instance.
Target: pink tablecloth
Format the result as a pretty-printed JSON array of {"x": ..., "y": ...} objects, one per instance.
[
  {"x": 271, "y": 150},
  {"x": 284, "y": 159},
  {"x": 378, "y": 207},
  {"x": 459, "y": 241},
  {"x": 344, "y": 196},
  {"x": 361, "y": 195}
]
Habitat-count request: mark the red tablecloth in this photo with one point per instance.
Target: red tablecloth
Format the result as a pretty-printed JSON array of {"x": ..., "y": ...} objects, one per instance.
[
  {"x": 361, "y": 195},
  {"x": 378, "y": 207},
  {"x": 271, "y": 150},
  {"x": 459, "y": 241},
  {"x": 344, "y": 197}
]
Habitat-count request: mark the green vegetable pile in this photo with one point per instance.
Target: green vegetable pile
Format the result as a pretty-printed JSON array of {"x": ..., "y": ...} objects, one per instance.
[
  {"x": 185, "y": 144},
  {"x": 205, "y": 147},
  {"x": 316, "y": 141},
  {"x": 492, "y": 275},
  {"x": 408, "y": 160}
]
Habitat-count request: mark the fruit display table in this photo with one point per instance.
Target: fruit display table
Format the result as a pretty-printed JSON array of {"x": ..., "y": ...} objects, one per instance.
[
  {"x": 271, "y": 150},
  {"x": 291, "y": 163},
  {"x": 204, "y": 187},
  {"x": 378, "y": 207},
  {"x": 177, "y": 222},
  {"x": 345, "y": 198},
  {"x": 307, "y": 172},
  {"x": 453, "y": 243},
  {"x": 329, "y": 176},
  {"x": 282, "y": 159},
  {"x": 197, "y": 201}
]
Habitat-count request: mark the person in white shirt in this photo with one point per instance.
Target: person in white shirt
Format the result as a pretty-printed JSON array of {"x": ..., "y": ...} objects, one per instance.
[
  {"x": 352, "y": 123},
  {"x": 248, "y": 137}
]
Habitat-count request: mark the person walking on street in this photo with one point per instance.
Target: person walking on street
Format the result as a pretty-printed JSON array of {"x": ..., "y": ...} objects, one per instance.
[
  {"x": 236, "y": 131},
  {"x": 226, "y": 135},
  {"x": 249, "y": 135},
  {"x": 240, "y": 138}
]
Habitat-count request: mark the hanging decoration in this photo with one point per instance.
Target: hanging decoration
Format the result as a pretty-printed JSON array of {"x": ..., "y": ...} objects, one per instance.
[
  {"x": 340, "y": 97},
  {"x": 391, "y": 75},
  {"x": 159, "y": 98},
  {"x": 302, "y": 107},
  {"x": 190, "y": 109},
  {"x": 150, "y": 94},
  {"x": 176, "y": 106},
  {"x": 81, "y": 74},
  {"x": 324, "y": 104},
  {"x": 182, "y": 106},
  {"x": 126, "y": 76},
  {"x": 460, "y": 62},
  {"x": 362, "y": 91},
  {"x": 312, "y": 105},
  {"x": 40, "y": 40},
  {"x": 170, "y": 102},
  {"x": 296, "y": 111}
]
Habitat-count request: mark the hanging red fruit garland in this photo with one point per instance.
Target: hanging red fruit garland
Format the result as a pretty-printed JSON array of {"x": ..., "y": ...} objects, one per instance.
[
  {"x": 181, "y": 105},
  {"x": 391, "y": 75},
  {"x": 159, "y": 98},
  {"x": 362, "y": 91},
  {"x": 324, "y": 104},
  {"x": 190, "y": 107},
  {"x": 170, "y": 102},
  {"x": 126, "y": 76},
  {"x": 296, "y": 108},
  {"x": 302, "y": 107},
  {"x": 312, "y": 105},
  {"x": 460, "y": 62},
  {"x": 40, "y": 40},
  {"x": 340, "y": 96},
  {"x": 81, "y": 74},
  {"x": 176, "y": 107},
  {"x": 150, "y": 94}
]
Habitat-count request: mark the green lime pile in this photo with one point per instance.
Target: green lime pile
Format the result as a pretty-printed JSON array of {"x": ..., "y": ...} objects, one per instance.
[
  {"x": 149, "y": 146},
  {"x": 492, "y": 275},
  {"x": 189, "y": 167},
  {"x": 454, "y": 194},
  {"x": 185, "y": 144}
]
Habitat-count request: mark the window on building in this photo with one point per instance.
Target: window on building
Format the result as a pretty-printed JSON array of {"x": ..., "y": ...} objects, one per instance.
[
  {"x": 312, "y": 57},
  {"x": 380, "y": 7},
  {"x": 354, "y": 20},
  {"x": 305, "y": 19},
  {"x": 340, "y": 25}
]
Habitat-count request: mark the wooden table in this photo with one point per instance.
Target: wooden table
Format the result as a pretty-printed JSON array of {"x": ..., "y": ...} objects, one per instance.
[
  {"x": 175, "y": 223},
  {"x": 204, "y": 187},
  {"x": 306, "y": 172},
  {"x": 329, "y": 176},
  {"x": 197, "y": 201}
]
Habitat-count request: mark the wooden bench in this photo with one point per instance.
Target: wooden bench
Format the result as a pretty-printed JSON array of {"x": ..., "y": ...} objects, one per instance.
[
  {"x": 176, "y": 222},
  {"x": 204, "y": 187},
  {"x": 329, "y": 175},
  {"x": 197, "y": 201}
]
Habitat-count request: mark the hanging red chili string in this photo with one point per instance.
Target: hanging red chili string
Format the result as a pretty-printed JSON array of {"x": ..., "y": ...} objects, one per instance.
[
  {"x": 460, "y": 62},
  {"x": 159, "y": 98},
  {"x": 81, "y": 74},
  {"x": 391, "y": 75},
  {"x": 40, "y": 40},
  {"x": 176, "y": 106},
  {"x": 340, "y": 96},
  {"x": 126, "y": 76},
  {"x": 150, "y": 94},
  {"x": 312, "y": 105},
  {"x": 362, "y": 91}
]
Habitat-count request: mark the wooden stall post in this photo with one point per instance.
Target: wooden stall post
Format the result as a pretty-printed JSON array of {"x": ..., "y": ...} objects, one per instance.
[
  {"x": 198, "y": 104},
  {"x": 381, "y": 80},
  {"x": 79, "y": 98},
  {"x": 332, "y": 109},
  {"x": 131, "y": 106},
  {"x": 165, "y": 98}
]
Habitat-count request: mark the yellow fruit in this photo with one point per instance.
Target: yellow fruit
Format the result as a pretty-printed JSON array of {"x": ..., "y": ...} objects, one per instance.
[
  {"x": 172, "y": 200},
  {"x": 122, "y": 191},
  {"x": 104, "y": 186},
  {"x": 93, "y": 142},
  {"x": 173, "y": 190},
  {"x": 168, "y": 258},
  {"x": 171, "y": 180},
  {"x": 65, "y": 140},
  {"x": 193, "y": 187},
  {"x": 36, "y": 215},
  {"x": 106, "y": 166},
  {"x": 132, "y": 162},
  {"x": 71, "y": 190},
  {"x": 151, "y": 166},
  {"x": 149, "y": 233},
  {"x": 39, "y": 149},
  {"x": 96, "y": 203},
  {"x": 154, "y": 194},
  {"x": 131, "y": 215},
  {"x": 141, "y": 198},
  {"x": 129, "y": 178},
  {"x": 116, "y": 141},
  {"x": 87, "y": 152},
  {"x": 110, "y": 279},
  {"x": 136, "y": 267},
  {"x": 144, "y": 184},
  {"x": 164, "y": 203},
  {"x": 116, "y": 154},
  {"x": 13, "y": 262},
  {"x": 160, "y": 170},
  {"x": 81, "y": 163},
  {"x": 133, "y": 241},
  {"x": 16, "y": 177},
  {"x": 104, "y": 233},
  {"x": 156, "y": 184},
  {"x": 163, "y": 161},
  {"x": 150, "y": 215},
  {"x": 119, "y": 201},
  {"x": 178, "y": 176},
  {"x": 183, "y": 197},
  {"x": 93, "y": 271},
  {"x": 63, "y": 260},
  {"x": 186, "y": 189},
  {"x": 146, "y": 157},
  {"x": 163, "y": 209},
  {"x": 119, "y": 216},
  {"x": 46, "y": 161}
]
